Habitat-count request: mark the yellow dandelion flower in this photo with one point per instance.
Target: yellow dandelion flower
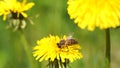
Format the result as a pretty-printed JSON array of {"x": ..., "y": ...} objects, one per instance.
[
  {"x": 48, "y": 49},
  {"x": 14, "y": 11},
  {"x": 95, "y": 13},
  {"x": 14, "y": 8}
]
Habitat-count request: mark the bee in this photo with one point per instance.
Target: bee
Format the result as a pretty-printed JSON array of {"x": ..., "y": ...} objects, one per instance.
[{"x": 69, "y": 41}]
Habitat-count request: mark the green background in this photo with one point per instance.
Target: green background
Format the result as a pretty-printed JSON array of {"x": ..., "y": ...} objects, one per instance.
[{"x": 51, "y": 17}]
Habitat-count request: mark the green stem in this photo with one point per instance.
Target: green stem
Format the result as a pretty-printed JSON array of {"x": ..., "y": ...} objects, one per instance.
[
  {"x": 108, "y": 48},
  {"x": 27, "y": 50},
  {"x": 16, "y": 51},
  {"x": 57, "y": 64},
  {"x": 50, "y": 64}
]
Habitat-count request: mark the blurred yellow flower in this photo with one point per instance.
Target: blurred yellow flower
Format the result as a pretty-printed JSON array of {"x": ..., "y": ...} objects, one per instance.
[
  {"x": 14, "y": 12},
  {"x": 15, "y": 8},
  {"x": 95, "y": 13},
  {"x": 47, "y": 49}
]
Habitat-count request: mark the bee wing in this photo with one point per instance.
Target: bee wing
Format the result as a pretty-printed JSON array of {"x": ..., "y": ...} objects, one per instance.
[{"x": 70, "y": 36}]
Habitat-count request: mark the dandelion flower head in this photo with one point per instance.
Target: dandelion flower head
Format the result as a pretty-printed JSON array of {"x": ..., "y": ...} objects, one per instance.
[
  {"x": 95, "y": 13},
  {"x": 47, "y": 49},
  {"x": 15, "y": 13},
  {"x": 15, "y": 8}
]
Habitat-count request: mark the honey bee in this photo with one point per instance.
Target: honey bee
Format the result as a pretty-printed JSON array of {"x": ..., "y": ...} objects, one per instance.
[{"x": 69, "y": 41}]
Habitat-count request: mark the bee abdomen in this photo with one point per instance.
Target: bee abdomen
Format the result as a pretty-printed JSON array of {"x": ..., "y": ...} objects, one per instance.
[{"x": 70, "y": 42}]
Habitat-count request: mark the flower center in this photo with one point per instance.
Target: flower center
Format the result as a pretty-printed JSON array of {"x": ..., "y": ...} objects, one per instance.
[{"x": 16, "y": 15}]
